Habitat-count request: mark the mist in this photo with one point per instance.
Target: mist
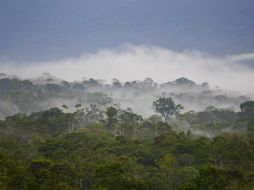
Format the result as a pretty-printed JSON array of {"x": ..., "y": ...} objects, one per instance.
[{"x": 129, "y": 62}]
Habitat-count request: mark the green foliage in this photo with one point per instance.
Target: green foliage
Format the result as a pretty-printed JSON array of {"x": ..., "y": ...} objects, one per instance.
[
  {"x": 112, "y": 118},
  {"x": 233, "y": 151},
  {"x": 111, "y": 113},
  {"x": 166, "y": 107},
  {"x": 210, "y": 178},
  {"x": 122, "y": 152}
]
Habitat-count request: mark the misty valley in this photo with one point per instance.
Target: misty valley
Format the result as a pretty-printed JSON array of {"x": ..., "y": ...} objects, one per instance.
[
  {"x": 126, "y": 95},
  {"x": 131, "y": 135}
]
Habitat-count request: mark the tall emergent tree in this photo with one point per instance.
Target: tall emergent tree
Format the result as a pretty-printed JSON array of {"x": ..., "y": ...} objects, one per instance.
[
  {"x": 166, "y": 107},
  {"x": 112, "y": 118}
]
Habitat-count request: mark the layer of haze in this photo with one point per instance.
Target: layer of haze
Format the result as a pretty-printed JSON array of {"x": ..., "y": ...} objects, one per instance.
[{"x": 138, "y": 62}]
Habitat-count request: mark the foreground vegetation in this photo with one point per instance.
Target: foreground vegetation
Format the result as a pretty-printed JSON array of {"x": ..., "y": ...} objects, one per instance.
[{"x": 118, "y": 150}]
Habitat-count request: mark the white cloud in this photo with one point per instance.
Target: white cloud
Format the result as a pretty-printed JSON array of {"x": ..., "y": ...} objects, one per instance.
[
  {"x": 138, "y": 62},
  {"x": 242, "y": 57}
]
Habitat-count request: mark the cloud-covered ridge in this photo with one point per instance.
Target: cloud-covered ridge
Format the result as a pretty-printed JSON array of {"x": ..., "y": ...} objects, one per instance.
[{"x": 138, "y": 62}]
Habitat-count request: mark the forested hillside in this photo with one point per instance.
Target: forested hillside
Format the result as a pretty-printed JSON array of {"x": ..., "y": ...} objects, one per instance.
[
  {"x": 27, "y": 96},
  {"x": 126, "y": 95},
  {"x": 93, "y": 142}
]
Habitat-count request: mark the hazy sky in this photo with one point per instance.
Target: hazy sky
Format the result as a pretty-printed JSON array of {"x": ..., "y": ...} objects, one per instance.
[
  {"x": 37, "y": 30},
  {"x": 139, "y": 62},
  {"x": 204, "y": 40}
]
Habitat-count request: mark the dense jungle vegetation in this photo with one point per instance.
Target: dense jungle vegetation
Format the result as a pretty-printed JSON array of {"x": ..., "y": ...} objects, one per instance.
[
  {"x": 106, "y": 146},
  {"x": 118, "y": 149}
]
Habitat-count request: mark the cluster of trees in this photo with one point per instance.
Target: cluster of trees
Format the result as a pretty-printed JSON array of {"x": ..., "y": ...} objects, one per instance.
[
  {"x": 117, "y": 149},
  {"x": 27, "y": 96}
]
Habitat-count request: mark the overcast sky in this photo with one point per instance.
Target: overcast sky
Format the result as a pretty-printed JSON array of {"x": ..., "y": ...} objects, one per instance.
[
  {"x": 203, "y": 40},
  {"x": 41, "y": 30}
]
